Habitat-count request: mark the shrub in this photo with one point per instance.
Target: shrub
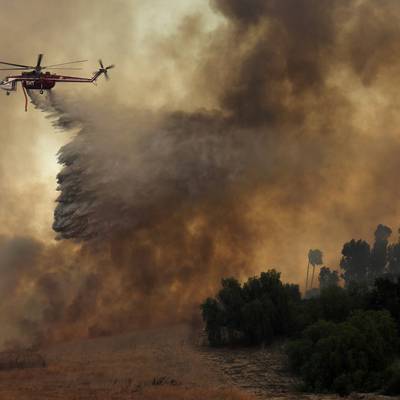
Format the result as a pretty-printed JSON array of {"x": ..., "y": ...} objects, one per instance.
[
  {"x": 347, "y": 356},
  {"x": 386, "y": 295},
  {"x": 392, "y": 379},
  {"x": 333, "y": 304}
]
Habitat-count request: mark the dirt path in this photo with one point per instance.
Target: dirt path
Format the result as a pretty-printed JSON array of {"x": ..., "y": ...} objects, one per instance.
[{"x": 261, "y": 371}]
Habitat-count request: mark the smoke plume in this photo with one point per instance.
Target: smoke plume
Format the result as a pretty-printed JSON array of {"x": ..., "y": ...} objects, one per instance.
[{"x": 285, "y": 138}]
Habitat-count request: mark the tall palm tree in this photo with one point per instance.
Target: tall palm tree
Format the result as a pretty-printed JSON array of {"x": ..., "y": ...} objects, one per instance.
[
  {"x": 308, "y": 268},
  {"x": 315, "y": 259}
]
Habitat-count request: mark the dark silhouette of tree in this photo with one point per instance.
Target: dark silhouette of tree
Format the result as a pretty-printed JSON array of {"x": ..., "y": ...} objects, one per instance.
[
  {"x": 356, "y": 261},
  {"x": 213, "y": 315},
  {"x": 335, "y": 304},
  {"x": 327, "y": 278},
  {"x": 257, "y": 321},
  {"x": 254, "y": 313},
  {"x": 332, "y": 303},
  {"x": 392, "y": 379},
  {"x": 379, "y": 252},
  {"x": 393, "y": 255},
  {"x": 315, "y": 259},
  {"x": 308, "y": 269},
  {"x": 385, "y": 295},
  {"x": 231, "y": 300},
  {"x": 349, "y": 336}
]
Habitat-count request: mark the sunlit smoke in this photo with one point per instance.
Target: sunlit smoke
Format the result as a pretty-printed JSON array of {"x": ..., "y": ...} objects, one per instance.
[{"x": 155, "y": 206}]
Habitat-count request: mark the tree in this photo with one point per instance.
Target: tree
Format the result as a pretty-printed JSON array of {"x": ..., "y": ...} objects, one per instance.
[
  {"x": 257, "y": 321},
  {"x": 213, "y": 317},
  {"x": 393, "y": 255},
  {"x": 308, "y": 269},
  {"x": 252, "y": 313},
  {"x": 356, "y": 261},
  {"x": 328, "y": 278},
  {"x": 335, "y": 304},
  {"x": 385, "y": 295},
  {"x": 379, "y": 252},
  {"x": 315, "y": 259},
  {"x": 267, "y": 297},
  {"x": 347, "y": 356},
  {"x": 230, "y": 298}
]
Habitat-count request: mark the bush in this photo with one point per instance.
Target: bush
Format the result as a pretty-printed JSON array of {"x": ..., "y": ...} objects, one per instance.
[
  {"x": 347, "y": 337},
  {"x": 253, "y": 313},
  {"x": 392, "y": 379},
  {"x": 386, "y": 295},
  {"x": 347, "y": 356},
  {"x": 335, "y": 304}
]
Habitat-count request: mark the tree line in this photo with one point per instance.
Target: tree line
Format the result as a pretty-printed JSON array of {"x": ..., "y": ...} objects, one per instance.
[
  {"x": 342, "y": 336},
  {"x": 360, "y": 262}
]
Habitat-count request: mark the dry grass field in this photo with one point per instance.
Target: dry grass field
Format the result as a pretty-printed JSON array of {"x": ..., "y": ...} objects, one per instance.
[
  {"x": 151, "y": 365},
  {"x": 139, "y": 365}
]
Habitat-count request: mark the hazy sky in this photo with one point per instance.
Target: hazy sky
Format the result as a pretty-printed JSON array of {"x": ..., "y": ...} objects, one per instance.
[
  {"x": 158, "y": 48},
  {"x": 331, "y": 65},
  {"x": 287, "y": 138},
  {"x": 120, "y": 32}
]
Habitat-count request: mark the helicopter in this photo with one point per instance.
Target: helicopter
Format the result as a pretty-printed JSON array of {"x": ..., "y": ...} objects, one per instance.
[{"x": 33, "y": 77}]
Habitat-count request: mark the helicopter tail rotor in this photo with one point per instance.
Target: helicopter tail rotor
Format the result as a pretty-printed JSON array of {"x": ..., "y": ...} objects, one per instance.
[{"x": 104, "y": 70}]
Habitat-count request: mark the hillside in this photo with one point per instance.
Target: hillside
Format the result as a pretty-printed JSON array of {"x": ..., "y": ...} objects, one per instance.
[{"x": 151, "y": 364}]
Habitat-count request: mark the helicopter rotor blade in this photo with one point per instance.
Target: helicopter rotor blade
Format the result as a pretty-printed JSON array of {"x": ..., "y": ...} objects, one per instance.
[
  {"x": 67, "y": 63},
  {"x": 14, "y": 69},
  {"x": 17, "y": 65},
  {"x": 101, "y": 64},
  {"x": 110, "y": 66},
  {"x": 39, "y": 61}
]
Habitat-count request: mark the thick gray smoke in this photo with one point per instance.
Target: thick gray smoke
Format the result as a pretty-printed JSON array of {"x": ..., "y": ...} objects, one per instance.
[
  {"x": 282, "y": 119},
  {"x": 154, "y": 198},
  {"x": 163, "y": 204}
]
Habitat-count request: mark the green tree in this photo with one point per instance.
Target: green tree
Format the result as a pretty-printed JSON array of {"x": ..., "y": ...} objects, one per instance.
[
  {"x": 214, "y": 319},
  {"x": 257, "y": 321},
  {"x": 327, "y": 278},
  {"x": 356, "y": 261},
  {"x": 385, "y": 295},
  {"x": 254, "y": 313},
  {"x": 379, "y": 252},
  {"x": 269, "y": 293},
  {"x": 230, "y": 298},
  {"x": 308, "y": 270},
  {"x": 393, "y": 255},
  {"x": 335, "y": 304}
]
